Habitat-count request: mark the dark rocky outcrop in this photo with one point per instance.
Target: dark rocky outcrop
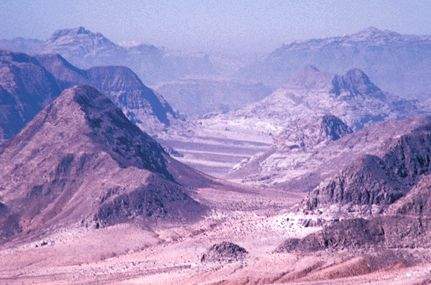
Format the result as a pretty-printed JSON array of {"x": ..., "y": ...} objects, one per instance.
[
  {"x": 355, "y": 233},
  {"x": 224, "y": 252},
  {"x": 387, "y": 231},
  {"x": 333, "y": 127},
  {"x": 379, "y": 179}
]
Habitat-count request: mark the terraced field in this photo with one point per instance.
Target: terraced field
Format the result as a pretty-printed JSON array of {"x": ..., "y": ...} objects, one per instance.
[{"x": 214, "y": 155}]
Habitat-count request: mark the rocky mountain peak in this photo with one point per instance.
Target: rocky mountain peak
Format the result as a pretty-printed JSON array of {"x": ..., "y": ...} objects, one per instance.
[
  {"x": 111, "y": 129},
  {"x": 79, "y": 42},
  {"x": 68, "y": 151},
  {"x": 355, "y": 83},
  {"x": 73, "y": 32}
]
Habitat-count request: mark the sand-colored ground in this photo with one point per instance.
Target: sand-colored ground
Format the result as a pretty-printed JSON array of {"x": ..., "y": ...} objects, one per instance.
[{"x": 258, "y": 220}]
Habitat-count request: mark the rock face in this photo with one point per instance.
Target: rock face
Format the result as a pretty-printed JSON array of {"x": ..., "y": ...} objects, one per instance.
[
  {"x": 29, "y": 83},
  {"x": 381, "y": 199},
  {"x": 142, "y": 106},
  {"x": 86, "y": 49},
  {"x": 380, "y": 180},
  {"x": 54, "y": 172},
  {"x": 310, "y": 133},
  {"x": 355, "y": 83},
  {"x": 405, "y": 223},
  {"x": 355, "y": 233},
  {"x": 333, "y": 128},
  {"x": 25, "y": 88},
  {"x": 224, "y": 252},
  {"x": 397, "y": 63},
  {"x": 399, "y": 231}
]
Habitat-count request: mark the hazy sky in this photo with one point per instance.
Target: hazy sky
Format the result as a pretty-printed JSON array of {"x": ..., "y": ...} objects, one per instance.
[{"x": 257, "y": 25}]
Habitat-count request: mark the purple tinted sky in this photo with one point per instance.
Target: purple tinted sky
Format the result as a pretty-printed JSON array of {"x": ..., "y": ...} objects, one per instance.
[{"x": 213, "y": 25}]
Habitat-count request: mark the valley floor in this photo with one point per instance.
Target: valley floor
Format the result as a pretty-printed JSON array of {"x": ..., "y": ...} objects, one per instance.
[{"x": 258, "y": 220}]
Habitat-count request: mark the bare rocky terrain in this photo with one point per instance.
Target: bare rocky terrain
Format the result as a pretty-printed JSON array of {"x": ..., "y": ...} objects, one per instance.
[
  {"x": 396, "y": 62},
  {"x": 324, "y": 181},
  {"x": 80, "y": 161},
  {"x": 27, "y": 84}
]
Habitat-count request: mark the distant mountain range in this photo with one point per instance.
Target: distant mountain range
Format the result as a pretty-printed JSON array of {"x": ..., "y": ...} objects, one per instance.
[
  {"x": 86, "y": 49},
  {"x": 310, "y": 94},
  {"x": 397, "y": 63},
  {"x": 27, "y": 84}
]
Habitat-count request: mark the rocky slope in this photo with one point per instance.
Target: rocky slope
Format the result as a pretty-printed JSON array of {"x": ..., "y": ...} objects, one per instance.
[
  {"x": 28, "y": 83},
  {"x": 54, "y": 173},
  {"x": 290, "y": 166},
  {"x": 379, "y": 179},
  {"x": 398, "y": 63},
  {"x": 25, "y": 88},
  {"x": 380, "y": 199},
  {"x": 292, "y": 114},
  {"x": 86, "y": 49},
  {"x": 352, "y": 97}
]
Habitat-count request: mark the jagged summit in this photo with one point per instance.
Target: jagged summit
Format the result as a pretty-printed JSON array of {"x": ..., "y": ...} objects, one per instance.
[
  {"x": 80, "y": 42},
  {"x": 356, "y": 83},
  {"x": 72, "y": 31},
  {"x": 78, "y": 32},
  {"x": 85, "y": 48},
  {"x": 373, "y": 33}
]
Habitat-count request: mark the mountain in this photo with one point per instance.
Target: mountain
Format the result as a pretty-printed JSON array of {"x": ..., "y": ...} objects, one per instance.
[
  {"x": 398, "y": 63},
  {"x": 197, "y": 97},
  {"x": 25, "y": 88},
  {"x": 382, "y": 177},
  {"x": 254, "y": 135},
  {"x": 54, "y": 172},
  {"x": 302, "y": 166},
  {"x": 85, "y": 49},
  {"x": 309, "y": 94},
  {"x": 379, "y": 199},
  {"x": 82, "y": 46},
  {"x": 29, "y": 83}
]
